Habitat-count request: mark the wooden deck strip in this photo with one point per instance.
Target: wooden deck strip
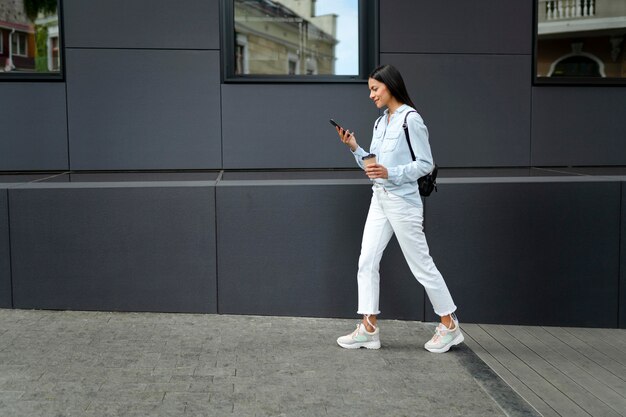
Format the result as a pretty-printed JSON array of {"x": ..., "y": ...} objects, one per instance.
[
  {"x": 599, "y": 342},
  {"x": 591, "y": 352},
  {"x": 558, "y": 401},
  {"x": 583, "y": 362},
  {"x": 551, "y": 374},
  {"x": 473, "y": 330},
  {"x": 614, "y": 337},
  {"x": 559, "y": 371},
  {"x": 591, "y": 384}
]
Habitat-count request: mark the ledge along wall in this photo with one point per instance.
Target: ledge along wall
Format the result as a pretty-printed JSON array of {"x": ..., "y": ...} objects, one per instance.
[{"x": 287, "y": 243}]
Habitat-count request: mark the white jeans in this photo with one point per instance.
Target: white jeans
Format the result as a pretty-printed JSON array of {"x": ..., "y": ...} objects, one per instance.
[{"x": 389, "y": 213}]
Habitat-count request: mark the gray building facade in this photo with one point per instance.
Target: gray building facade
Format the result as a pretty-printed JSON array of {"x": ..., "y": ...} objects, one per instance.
[{"x": 242, "y": 200}]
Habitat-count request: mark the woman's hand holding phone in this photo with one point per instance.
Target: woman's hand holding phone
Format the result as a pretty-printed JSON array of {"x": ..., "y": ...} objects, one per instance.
[{"x": 346, "y": 137}]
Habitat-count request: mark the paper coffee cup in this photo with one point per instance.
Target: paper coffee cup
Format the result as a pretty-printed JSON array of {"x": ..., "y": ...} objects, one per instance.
[{"x": 369, "y": 159}]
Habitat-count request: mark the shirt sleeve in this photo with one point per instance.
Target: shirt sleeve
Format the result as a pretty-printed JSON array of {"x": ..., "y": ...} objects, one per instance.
[
  {"x": 359, "y": 153},
  {"x": 423, "y": 164}
]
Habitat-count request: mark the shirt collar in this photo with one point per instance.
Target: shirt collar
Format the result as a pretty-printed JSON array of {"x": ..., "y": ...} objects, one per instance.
[{"x": 399, "y": 110}]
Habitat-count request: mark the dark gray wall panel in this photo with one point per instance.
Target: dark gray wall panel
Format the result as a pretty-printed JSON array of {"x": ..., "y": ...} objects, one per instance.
[
  {"x": 131, "y": 109},
  {"x": 5, "y": 254},
  {"x": 128, "y": 249},
  {"x": 293, "y": 250},
  {"x": 488, "y": 26},
  {"x": 578, "y": 126},
  {"x": 537, "y": 254},
  {"x": 476, "y": 107},
  {"x": 34, "y": 127},
  {"x": 190, "y": 24},
  {"x": 622, "y": 286},
  {"x": 286, "y": 126}
]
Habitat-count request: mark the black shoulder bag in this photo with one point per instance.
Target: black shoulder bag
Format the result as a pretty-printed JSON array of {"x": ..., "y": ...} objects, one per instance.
[{"x": 428, "y": 182}]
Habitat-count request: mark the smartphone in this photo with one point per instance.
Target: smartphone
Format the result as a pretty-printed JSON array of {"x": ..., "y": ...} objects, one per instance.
[{"x": 334, "y": 123}]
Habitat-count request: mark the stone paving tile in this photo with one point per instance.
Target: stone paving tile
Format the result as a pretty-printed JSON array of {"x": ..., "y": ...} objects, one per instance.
[
  {"x": 10, "y": 395},
  {"x": 61, "y": 363}
]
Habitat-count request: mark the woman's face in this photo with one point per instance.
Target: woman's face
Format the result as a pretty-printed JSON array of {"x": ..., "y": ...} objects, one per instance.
[{"x": 379, "y": 93}]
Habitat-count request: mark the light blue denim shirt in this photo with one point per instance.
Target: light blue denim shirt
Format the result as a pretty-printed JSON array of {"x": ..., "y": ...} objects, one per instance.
[{"x": 392, "y": 151}]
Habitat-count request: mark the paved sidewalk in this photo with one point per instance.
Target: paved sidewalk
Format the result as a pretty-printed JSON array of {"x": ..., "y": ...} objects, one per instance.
[{"x": 144, "y": 364}]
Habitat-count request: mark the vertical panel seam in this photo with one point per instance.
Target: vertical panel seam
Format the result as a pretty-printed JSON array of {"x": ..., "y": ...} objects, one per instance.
[
  {"x": 67, "y": 124},
  {"x": 221, "y": 128},
  {"x": 217, "y": 291},
  {"x": 530, "y": 128},
  {"x": 10, "y": 251},
  {"x": 621, "y": 251},
  {"x": 221, "y": 24},
  {"x": 533, "y": 74}
]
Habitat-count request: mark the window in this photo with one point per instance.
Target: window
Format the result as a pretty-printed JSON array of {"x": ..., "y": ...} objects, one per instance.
[
  {"x": 577, "y": 66},
  {"x": 18, "y": 44},
  {"x": 30, "y": 41},
  {"x": 580, "y": 41},
  {"x": 293, "y": 64},
  {"x": 298, "y": 40},
  {"x": 53, "y": 54}
]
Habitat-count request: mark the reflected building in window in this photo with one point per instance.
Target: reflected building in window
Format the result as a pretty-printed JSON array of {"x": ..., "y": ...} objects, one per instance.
[
  {"x": 17, "y": 38},
  {"x": 283, "y": 38},
  {"x": 26, "y": 45},
  {"x": 581, "y": 38}
]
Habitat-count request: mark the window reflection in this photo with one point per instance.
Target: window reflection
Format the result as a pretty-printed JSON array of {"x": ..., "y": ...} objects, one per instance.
[
  {"x": 296, "y": 37},
  {"x": 29, "y": 37},
  {"x": 581, "y": 39}
]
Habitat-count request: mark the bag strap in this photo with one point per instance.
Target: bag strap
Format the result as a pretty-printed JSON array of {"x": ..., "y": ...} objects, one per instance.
[
  {"x": 378, "y": 121},
  {"x": 405, "y": 126}
]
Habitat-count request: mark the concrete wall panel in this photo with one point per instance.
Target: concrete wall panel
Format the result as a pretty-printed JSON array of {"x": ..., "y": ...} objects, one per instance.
[
  {"x": 33, "y": 124},
  {"x": 476, "y": 107},
  {"x": 131, "y": 109},
  {"x": 293, "y": 250},
  {"x": 578, "y": 126},
  {"x": 119, "y": 249},
  {"x": 286, "y": 126},
  {"x": 536, "y": 254},
  {"x": 488, "y": 26},
  {"x": 191, "y": 24}
]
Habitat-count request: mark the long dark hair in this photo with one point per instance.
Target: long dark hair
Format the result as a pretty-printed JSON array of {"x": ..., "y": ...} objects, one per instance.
[{"x": 391, "y": 77}]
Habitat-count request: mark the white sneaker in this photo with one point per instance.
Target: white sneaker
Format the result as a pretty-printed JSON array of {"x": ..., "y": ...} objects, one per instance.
[
  {"x": 445, "y": 338},
  {"x": 360, "y": 338}
]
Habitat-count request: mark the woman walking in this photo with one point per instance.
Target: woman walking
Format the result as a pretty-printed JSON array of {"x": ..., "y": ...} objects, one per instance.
[{"x": 396, "y": 207}]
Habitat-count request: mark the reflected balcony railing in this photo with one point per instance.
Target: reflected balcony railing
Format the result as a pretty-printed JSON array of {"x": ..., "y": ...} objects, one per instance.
[{"x": 566, "y": 9}]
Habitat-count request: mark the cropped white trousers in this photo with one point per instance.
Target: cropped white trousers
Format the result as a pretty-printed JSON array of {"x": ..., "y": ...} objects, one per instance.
[{"x": 389, "y": 214}]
